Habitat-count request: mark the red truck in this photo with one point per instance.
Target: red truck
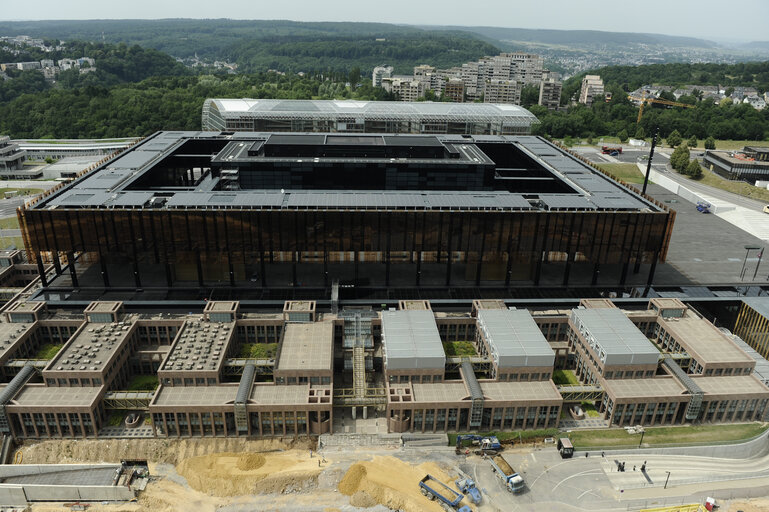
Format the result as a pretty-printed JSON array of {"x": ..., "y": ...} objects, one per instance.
[{"x": 607, "y": 150}]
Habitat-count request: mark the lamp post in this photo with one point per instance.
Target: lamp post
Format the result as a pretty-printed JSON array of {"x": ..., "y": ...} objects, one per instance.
[
  {"x": 642, "y": 438},
  {"x": 666, "y": 480},
  {"x": 748, "y": 248}
]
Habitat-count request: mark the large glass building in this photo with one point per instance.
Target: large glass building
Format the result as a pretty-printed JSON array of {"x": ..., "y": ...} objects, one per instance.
[
  {"x": 263, "y": 210},
  {"x": 350, "y": 116}
]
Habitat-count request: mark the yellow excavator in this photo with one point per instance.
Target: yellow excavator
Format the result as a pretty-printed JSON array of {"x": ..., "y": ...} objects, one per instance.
[{"x": 644, "y": 100}]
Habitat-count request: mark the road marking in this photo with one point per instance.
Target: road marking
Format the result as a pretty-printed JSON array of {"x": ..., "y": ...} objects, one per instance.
[
  {"x": 546, "y": 470},
  {"x": 596, "y": 471},
  {"x": 533, "y": 458}
]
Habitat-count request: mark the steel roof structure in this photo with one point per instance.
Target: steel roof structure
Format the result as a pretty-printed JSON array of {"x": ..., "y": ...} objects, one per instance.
[
  {"x": 411, "y": 340},
  {"x": 369, "y": 110},
  {"x": 514, "y": 338},
  {"x": 613, "y": 337}
]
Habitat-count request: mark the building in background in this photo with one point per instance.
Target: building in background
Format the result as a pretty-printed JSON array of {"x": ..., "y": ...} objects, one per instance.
[
  {"x": 335, "y": 116},
  {"x": 454, "y": 90},
  {"x": 405, "y": 89},
  {"x": 550, "y": 91},
  {"x": 11, "y": 158},
  {"x": 379, "y": 73},
  {"x": 503, "y": 91},
  {"x": 592, "y": 87}
]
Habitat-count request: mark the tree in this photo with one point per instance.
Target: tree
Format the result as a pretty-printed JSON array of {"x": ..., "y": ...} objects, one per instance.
[
  {"x": 694, "y": 169},
  {"x": 728, "y": 92},
  {"x": 622, "y": 136},
  {"x": 529, "y": 95},
  {"x": 692, "y": 142},
  {"x": 640, "y": 133},
  {"x": 679, "y": 160},
  {"x": 354, "y": 77},
  {"x": 674, "y": 139},
  {"x": 710, "y": 143}
]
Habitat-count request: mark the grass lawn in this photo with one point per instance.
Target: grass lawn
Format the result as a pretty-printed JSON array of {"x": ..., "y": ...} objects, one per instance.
[
  {"x": 565, "y": 378},
  {"x": 590, "y": 410},
  {"x": 720, "y": 144},
  {"x": 737, "y": 187},
  {"x": 628, "y": 173},
  {"x": 115, "y": 419},
  {"x": 703, "y": 434},
  {"x": 459, "y": 348},
  {"x": 47, "y": 351},
  {"x": 259, "y": 350},
  {"x": 6, "y": 242},
  {"x": 9, "y": 223},
  {"x": 142, "y": 383},
  {"x": 22, "y": 191}
]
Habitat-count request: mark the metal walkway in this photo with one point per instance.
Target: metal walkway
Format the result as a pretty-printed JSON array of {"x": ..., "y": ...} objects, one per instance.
[
  {"x": 476, "y": 394},
  {"x": 580, "y": 393},
  {"x": 695, "y": 404},
  {"x": 128, "y": 400}
]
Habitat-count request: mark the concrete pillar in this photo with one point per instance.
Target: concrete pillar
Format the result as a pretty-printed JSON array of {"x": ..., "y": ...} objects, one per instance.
[
  {"x": 365, "y": 412},
  {"x": 353, "y": 412}
]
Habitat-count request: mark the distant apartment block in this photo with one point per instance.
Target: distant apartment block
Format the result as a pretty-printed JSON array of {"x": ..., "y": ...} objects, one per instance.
[
  {"x": 503, "y": 91},
  {"x": 550, "y": 92},
  {"x": 379, "y": 73},
  {"x": 454, "y": 89},
  {"x": 592, "y": 86},
  {"x": 405, "y": 89}
]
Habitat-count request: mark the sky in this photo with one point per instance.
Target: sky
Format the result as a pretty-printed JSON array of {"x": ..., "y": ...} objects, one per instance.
[{"x": 707, "y": 19}]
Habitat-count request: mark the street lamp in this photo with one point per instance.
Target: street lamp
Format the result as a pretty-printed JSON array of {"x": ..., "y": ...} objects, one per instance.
[
  {"x": 642, "y": 438},
  {"x": 666, "y": 480}
]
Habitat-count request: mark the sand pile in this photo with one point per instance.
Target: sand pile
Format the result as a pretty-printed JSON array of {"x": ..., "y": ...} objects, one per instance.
[
  {"x": 362, "y": 499},
  {"x": 393, "y": 483},
  {"x": 753, "y": 505},
  {"x": 250, "y": 461},
  {"x": 232, "y": 474}
]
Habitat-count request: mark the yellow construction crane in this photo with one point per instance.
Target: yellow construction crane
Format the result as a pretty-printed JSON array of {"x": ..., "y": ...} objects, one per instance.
[{"x": 646, "y": 100}]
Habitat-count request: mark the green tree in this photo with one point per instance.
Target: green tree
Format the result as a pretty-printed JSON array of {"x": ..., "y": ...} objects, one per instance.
[
  {"x": 640, "y": 133},
  {"x": 710, "y": 143},
  {"x": 354, "y": 77},
  {"x": 679, "y": 160},
  {"x": 694, "y": 169},
  {"x": 622, "y": 135},
  {"x": 674, "y": 139},
  {"x": 728, "y": 92},
  {"x": 692, "y": 142},
  {"x": 529, "y": 95}
]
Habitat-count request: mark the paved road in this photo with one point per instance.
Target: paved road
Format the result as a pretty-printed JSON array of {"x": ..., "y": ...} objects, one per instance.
[{"x": 8, "y": 206}]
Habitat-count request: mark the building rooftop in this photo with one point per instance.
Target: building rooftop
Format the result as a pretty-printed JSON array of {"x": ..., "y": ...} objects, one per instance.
[
  {"x": 307, "y": 346},
  {"x": 732, "y": 385},
  {"x": 661, "y": 387},
  {"x": 38, "y": 395},
  {"x": 761, "y": 370},
  {"x": 514, "y": 338},
  {"x": 613, "y": 337},
  {"x": 289, "y": 171},
  {"x": 93, "y": 346},
  {"x": 759, "y": 304},
  {"x": 379, "y": 110},
  {"x": 183, "y": 396},
  {"x": 453, "y": 391},
  {"x": 411, "y": 340},
  {"x": 200, "y": 345},
  {"x": 11, "y": 335},
  {"x": 702, "y": 340}
]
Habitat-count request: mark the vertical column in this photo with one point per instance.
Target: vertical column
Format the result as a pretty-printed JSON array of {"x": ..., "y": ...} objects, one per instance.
[
  {"x": 93, "y": 425},
  {"x": 41, "y": 270},
  {"x": 72, "y": 270}
]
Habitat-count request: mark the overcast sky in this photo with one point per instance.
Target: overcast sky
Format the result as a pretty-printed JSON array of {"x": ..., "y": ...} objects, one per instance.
[{"x": 745, "y": 20}]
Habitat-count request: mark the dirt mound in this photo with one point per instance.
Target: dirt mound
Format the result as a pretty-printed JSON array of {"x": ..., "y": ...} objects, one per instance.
[
  {"x": 351, "y": 480},
  {"x": 171, "y": 451},
  {"x": 250, "y": 461},
  {"x": 232, "y": 474},
  {"x": 391, "y": 482},
  {"x": 362, "y": 499}
]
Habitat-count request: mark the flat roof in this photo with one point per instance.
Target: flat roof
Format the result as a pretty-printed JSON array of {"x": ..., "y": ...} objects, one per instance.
[
  {"x": 93, "y": 346},
  {"x": 38, "y": 395},
  {"x": 11, "y": 334},
  {"x": 183, "y": 396},
  {"x": 702, "y": 340},
  {"x": 657, "y": 387},
  {"x": 761, "y": 370},
  {"x": 731, "y": 385},
  {"x": 200, "y": 345},
  {"x": 274, "y": 394},
  {"x": 122, "y": 182},
  {"x": 514, "y": 338},
  {"x": 455, "y": 391},
  {"x": 613, "y": 337},
  {"x": 759, "y": 304},
  {"x": 307, "y": 346},
  {"x": 411, "y": 340}
]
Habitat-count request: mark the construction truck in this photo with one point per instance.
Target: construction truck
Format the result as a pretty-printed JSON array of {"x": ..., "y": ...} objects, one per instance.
[
  {"x": 608, "y": 150},
  {"x": 448, "y": 498},
  {"x": 512, "y": 480},
  {"x": 467, "y": 486},
  {"x": 565, "y": 448},
  {"x": 488, "y": 445}
]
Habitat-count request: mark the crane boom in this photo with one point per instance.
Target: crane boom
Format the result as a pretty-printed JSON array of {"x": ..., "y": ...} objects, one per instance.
[{"x": 645, "y": 100}]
